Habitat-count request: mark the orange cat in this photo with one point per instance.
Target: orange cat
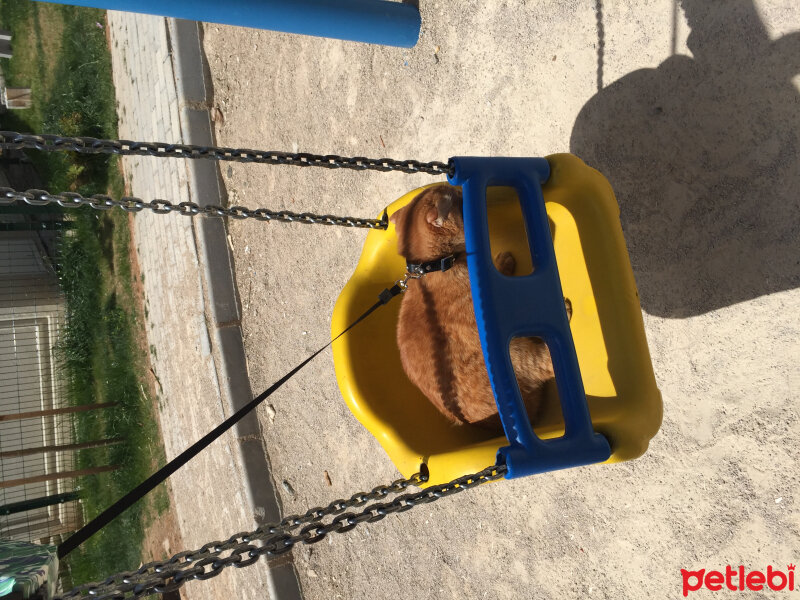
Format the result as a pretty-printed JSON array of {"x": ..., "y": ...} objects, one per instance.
[{"x": 437, "y": 333}]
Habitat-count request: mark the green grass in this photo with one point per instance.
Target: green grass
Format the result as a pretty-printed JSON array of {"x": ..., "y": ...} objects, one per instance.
[
  {"x": 62, "y": 55},
  {"x": 103, "y": 364}
]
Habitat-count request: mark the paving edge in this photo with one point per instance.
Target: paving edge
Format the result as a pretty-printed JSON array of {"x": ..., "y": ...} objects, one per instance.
[{"x": 193, "y": 84}]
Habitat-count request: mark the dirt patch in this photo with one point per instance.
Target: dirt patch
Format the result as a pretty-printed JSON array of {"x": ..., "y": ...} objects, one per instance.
[
  {"x": 510, "y": 79},
  {"x": 162, "y": 537}
]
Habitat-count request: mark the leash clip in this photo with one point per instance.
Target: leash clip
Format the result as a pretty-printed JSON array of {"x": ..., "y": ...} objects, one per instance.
[{"x": 411, "y": 273}]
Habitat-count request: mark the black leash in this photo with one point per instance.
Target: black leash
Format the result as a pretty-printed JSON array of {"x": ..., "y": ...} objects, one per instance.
[{"x": 137, "y": 493}]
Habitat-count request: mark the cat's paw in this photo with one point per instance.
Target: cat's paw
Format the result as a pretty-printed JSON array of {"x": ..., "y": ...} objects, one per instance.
[{"x": 505, "y": 263}]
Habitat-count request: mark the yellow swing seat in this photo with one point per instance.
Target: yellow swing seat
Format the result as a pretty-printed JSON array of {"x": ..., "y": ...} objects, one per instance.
[{"x": 606, "y": 325}]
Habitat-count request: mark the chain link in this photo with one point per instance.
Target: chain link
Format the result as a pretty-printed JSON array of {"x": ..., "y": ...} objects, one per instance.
[
  {"x": 10, "y": 140},
  {"x": 9, "y": 196},
  {"x": 244, "y": 549}
]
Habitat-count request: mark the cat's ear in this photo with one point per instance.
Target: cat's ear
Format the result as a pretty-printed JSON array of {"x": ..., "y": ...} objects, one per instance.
[
  {"x": 438, "y": 214},
  {"x": 396, "y": 215}
]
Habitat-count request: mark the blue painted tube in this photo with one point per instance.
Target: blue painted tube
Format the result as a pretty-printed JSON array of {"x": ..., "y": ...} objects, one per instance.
[{"x": 370, "y": 21}]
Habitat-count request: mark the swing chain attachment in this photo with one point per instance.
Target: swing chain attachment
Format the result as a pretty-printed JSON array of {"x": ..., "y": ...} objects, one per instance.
[
  {"x": 132, "y": 204},
  {"x": 10, "y": 140},
  {"x": 244, "y": 549}
]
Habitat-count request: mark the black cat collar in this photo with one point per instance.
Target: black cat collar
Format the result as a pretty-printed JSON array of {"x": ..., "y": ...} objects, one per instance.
[{"x": 431, "y": 266}]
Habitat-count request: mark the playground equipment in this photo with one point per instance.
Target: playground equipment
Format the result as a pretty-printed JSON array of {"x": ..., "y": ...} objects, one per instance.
[
  {"x": 585, "y": 260},
  {"x": 371, "y": 21},
  {"x": 611, "y": 406}
]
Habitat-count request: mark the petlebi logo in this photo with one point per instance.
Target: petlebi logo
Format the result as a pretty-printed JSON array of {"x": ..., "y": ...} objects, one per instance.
[{"x": 739, "y": 579}]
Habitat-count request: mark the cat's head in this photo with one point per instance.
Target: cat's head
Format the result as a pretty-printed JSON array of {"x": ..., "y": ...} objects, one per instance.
[{"x": 431, "y": 225}]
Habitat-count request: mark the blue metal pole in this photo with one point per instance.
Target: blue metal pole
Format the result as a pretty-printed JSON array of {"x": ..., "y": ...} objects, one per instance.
[{"x": 370, "y": 21}]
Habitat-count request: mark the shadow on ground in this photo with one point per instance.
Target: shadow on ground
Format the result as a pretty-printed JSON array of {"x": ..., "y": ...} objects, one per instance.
[{"x": 704, "y": 156}]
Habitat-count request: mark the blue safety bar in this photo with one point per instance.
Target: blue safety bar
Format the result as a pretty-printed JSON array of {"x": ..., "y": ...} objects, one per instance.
[
  {"x": 531, "y": 305},
  {"x": 370, "y": 21}
]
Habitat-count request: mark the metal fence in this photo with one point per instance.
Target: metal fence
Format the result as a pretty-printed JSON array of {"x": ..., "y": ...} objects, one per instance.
[
  {"x": 38, "y": 496},
  {"x": 32, "y": 424}
]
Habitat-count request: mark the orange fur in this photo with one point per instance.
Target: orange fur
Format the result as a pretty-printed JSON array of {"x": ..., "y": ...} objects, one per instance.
[{"x": 437, "y": 333}]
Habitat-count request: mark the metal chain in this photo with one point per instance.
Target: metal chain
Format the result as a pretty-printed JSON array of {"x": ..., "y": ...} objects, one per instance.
[
  {"x": 132, "y": 204},
  {"x": 241, "y": 549},
  {"x": 10, "y": 140}
]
